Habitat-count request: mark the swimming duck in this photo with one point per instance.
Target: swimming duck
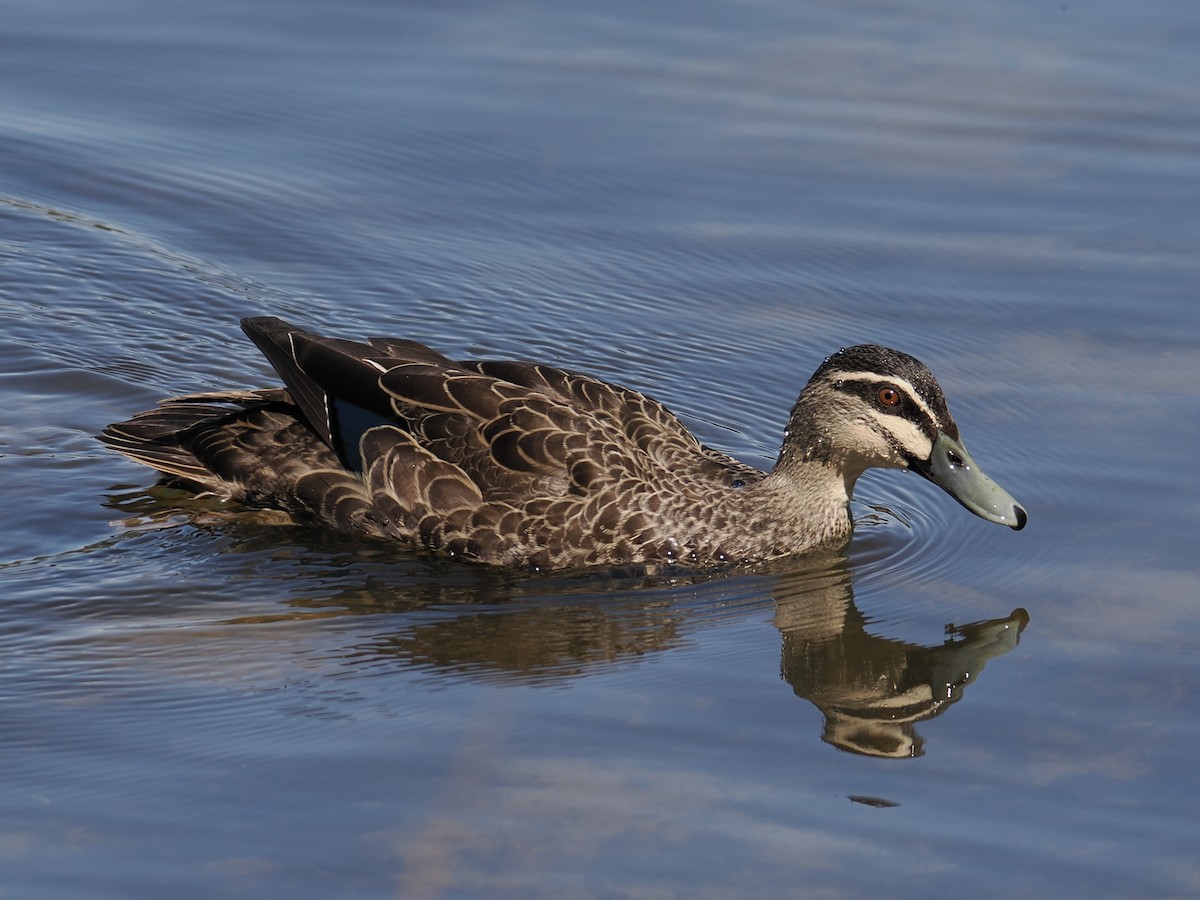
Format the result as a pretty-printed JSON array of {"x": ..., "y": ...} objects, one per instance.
[{"x": 523, "y": 464}]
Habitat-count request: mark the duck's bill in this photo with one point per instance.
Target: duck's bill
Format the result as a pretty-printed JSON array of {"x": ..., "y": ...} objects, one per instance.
[{"x": 952, "y": 469}]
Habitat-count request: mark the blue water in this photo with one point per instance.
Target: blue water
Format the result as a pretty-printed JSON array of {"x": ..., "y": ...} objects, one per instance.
[{"x": 698, "y": 200}]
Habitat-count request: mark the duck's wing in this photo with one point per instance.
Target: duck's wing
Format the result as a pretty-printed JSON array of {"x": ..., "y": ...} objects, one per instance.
[
  {"x": 334, "y": 382},
  {"x": 412, "y": 351},
  {"x": 509, "y": 439},
  {"x": 649, "y": 425},
  {"x": 512, "y": 429}
]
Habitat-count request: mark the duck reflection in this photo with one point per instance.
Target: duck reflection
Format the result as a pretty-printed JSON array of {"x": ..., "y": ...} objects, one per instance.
[
  {"x": 871, "y": 689},
  {"x": 536, "y": 643}
]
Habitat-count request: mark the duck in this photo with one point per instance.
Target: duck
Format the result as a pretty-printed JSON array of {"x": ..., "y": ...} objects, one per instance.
[{"x": 523, "y": 464}]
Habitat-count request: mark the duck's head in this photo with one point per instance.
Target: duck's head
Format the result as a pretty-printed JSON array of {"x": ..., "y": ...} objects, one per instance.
[{"x": 869, "y": 406}]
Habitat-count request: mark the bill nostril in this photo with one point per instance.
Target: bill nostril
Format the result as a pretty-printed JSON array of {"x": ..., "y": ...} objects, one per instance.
[{"x": 954, "y": 459}]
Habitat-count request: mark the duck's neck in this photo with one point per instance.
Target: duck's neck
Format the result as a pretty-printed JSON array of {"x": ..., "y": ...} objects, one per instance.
[
  {"x": 807, "y": 494},
  {"x": 796, "y": 507},
  {"x": 817, "y": 453}
]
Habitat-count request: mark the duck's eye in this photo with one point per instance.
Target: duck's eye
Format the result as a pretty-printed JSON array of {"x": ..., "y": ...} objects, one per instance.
[{"x": 888, "y": 395}]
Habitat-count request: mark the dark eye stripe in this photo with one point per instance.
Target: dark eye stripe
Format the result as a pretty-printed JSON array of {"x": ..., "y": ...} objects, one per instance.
[{"x": 868, "y": 392}]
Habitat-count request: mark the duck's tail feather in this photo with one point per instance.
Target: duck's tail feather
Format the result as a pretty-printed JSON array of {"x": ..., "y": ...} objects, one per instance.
[{"x": 159, "y": 437}]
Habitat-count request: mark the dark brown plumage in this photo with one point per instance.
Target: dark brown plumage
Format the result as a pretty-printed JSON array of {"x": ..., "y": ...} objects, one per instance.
[{"x": 516, "y": 463}]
